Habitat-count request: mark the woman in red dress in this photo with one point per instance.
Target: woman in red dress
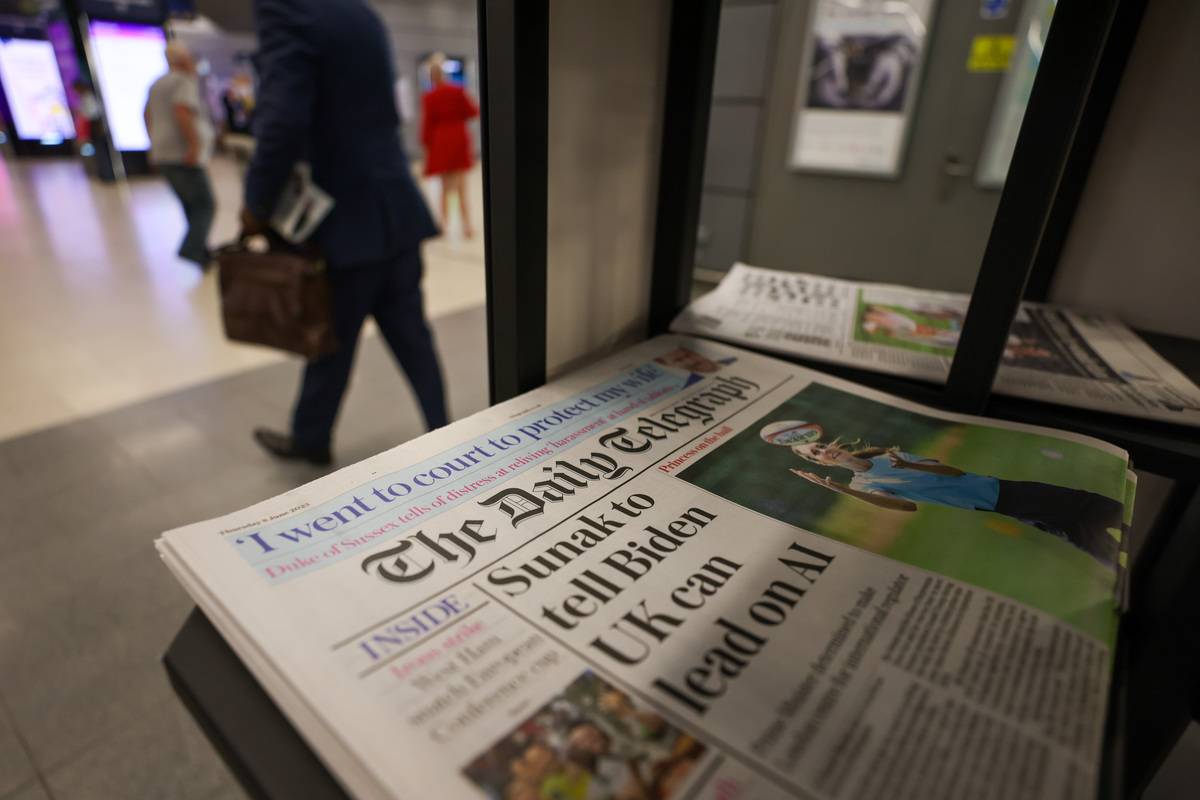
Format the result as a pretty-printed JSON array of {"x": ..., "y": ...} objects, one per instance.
[{"x": 445, "y": 110}]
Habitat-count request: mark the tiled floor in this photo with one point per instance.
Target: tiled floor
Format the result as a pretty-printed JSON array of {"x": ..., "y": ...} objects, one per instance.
[
  {"x": 124, "y": 412},
  {"x": 86, "y": 607},
  {"x": 97, "y": 312}
]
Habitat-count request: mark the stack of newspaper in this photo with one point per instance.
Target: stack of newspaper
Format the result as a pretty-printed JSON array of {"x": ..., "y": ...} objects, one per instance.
[
  {"x": 689, "y": 571},
  {"x": 1055, "y": 355}
]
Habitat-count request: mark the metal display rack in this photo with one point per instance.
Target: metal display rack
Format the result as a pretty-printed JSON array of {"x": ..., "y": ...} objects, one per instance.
[{"x": 1154, "y": 687}]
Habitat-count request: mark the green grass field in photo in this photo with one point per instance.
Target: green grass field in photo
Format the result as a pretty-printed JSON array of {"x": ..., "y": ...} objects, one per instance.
[{"x": 986, "y": 549}]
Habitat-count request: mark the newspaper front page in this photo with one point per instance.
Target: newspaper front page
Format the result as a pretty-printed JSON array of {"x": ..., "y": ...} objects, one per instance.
[
  {"x": 1052, "y": 354},
  {"x": 689, "y": 571}
]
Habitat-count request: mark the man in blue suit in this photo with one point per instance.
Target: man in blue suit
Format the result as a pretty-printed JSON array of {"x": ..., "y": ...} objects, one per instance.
[{"x": 326, "y": 96}]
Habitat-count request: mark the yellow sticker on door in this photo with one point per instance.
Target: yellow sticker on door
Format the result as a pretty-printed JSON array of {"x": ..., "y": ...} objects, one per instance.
[{"x": 991, "y": 53}]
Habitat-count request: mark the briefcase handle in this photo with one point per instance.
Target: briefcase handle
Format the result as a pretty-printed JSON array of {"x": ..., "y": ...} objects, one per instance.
[{"x": 270, "y": 242}]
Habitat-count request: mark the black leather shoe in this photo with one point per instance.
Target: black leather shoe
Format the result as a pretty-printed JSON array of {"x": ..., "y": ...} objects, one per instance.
[{"x": 281, "y": 445}]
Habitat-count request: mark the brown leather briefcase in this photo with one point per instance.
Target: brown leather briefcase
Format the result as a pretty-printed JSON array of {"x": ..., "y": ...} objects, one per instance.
[{"x": 278, "y": 297}]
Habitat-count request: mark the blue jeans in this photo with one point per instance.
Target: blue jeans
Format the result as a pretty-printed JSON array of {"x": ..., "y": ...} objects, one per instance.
[
  {"x": 391, "y": 293},
  {"x": 191, "y": 186}
]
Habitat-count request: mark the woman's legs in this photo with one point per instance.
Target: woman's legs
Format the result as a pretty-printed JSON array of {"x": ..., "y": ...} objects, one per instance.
[
  {"x": 455, "y": 183},
  {"x": 444, "y": 180},
  {"x": 460, "y": 187}
]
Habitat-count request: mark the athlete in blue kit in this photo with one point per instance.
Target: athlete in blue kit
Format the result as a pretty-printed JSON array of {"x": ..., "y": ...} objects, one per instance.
[{"x": 892, "y": 479}]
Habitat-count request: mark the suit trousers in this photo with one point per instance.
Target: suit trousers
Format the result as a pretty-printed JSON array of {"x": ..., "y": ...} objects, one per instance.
[{"x": 391, "y": 293}]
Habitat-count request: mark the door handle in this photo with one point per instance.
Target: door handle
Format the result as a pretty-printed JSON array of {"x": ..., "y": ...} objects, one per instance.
[
  {"x": 952, "y": 169},
  {"x": 955, "y": 168}
]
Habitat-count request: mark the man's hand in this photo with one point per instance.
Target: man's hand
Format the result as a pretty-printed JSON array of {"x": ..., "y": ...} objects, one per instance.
[
  {"x": 251, "y": 225},
  {"x": 897, "y": 461}
]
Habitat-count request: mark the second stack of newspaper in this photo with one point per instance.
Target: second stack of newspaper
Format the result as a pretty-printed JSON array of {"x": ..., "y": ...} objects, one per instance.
[
  {"x": 688, "y": 572},
  {"x": 1055, "y": 355}
]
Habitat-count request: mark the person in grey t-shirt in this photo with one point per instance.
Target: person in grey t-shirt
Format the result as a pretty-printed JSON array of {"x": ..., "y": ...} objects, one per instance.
[{"x": 181, "y": 138}]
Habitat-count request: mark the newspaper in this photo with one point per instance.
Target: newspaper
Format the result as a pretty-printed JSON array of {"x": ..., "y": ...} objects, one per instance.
[
  {"x": 302, "y": 206},
  {"x": 689, "y": 571},
  {"x": 1055, "y": 355}
]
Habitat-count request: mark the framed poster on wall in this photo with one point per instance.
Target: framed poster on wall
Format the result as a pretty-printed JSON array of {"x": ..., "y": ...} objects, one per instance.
[{"x": 859, "y": 76}]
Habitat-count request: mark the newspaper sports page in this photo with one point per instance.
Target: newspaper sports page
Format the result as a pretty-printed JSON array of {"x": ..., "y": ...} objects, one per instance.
[
  {"x": 1055, "y": 355},
  {"x": 688, "y": 571}
]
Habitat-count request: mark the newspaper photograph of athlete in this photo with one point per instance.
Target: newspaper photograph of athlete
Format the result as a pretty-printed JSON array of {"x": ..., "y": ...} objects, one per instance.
[
  {"x": 1034, "y": 517},
  {"x": 590, "y": 741},
  {"x": 925, "y": 330},
  {"x": 935, "y": 328},
  {"x": 889, "y": 478}
]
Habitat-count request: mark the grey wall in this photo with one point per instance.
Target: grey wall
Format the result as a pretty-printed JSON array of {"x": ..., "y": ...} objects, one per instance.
[
  {"x": 740, "y": 80},
  {"x": 607, "y": 73},
  {"x": 926, "y": 228},
  {"x": 1134, "y": 246}
]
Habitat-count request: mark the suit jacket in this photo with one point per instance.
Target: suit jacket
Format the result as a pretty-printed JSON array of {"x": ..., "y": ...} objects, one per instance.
[{"x": 326, "y": 95}]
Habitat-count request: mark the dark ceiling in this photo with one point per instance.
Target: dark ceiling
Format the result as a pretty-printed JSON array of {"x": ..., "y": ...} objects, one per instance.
[{"x": 232, "y": 15}]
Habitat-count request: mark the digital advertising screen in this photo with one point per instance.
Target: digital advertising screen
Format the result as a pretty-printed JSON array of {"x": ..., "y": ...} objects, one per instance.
[
  {"x": 128, "y": 57},
  {"x": 34, "y": 89}
]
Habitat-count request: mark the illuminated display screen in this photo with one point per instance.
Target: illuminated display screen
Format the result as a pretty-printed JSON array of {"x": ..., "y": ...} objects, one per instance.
[
  {"x": 37, "y": 100},
  {"x": 128, "y": 59}
]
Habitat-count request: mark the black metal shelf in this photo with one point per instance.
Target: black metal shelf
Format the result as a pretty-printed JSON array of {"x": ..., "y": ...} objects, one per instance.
[
  {"x": 253, "y": 737},
  {"x": 1087, "y": 47}
]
